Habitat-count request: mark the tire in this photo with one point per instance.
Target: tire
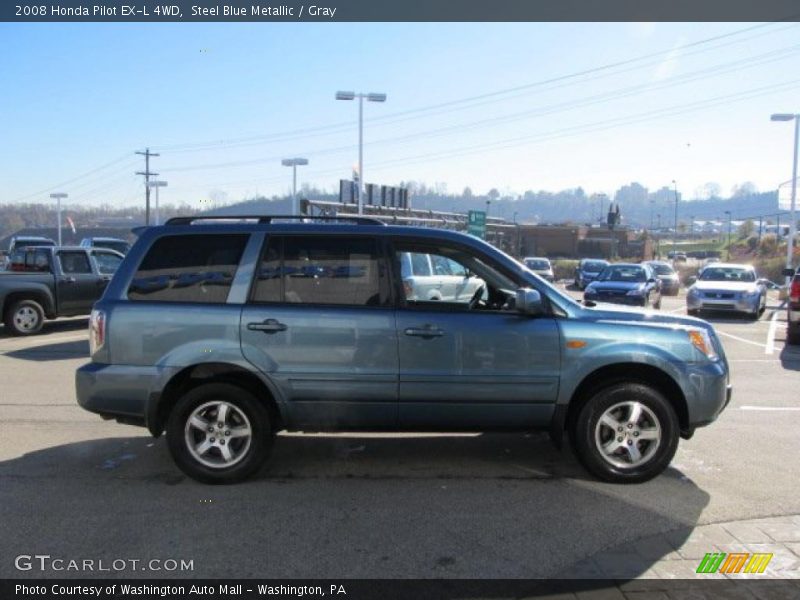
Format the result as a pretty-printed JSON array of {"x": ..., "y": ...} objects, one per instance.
[
  {"x": 247, "y": 453},
  {"x": 793, "y": 336},
  {"x": 658, "y": 419},
  {"x": 693, "y": 312},
  {"x": 24, "y": 317},
  {"x": 657, "y": 305}
]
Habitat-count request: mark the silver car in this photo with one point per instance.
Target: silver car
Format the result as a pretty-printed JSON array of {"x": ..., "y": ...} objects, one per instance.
[
  {"x": 727, "y": 287},
  {"x": 541, "y": 266}
]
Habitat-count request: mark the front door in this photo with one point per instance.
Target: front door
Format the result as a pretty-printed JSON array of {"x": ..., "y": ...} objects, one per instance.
[
  {"x": 320, "y": 324},
  {"x": 475, "y": 363}
]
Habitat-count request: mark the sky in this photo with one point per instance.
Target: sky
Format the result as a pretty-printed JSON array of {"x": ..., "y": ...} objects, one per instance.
[{"x": 512, "y": 106}]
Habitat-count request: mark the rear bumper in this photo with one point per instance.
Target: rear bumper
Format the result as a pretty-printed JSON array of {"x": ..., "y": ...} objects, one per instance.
[
  {"x": 120, "y": 392},
  {"x": 793, "y": 314}
]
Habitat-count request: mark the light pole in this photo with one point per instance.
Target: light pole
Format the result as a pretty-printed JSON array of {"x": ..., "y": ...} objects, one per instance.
[
  {"x": 294, "y": 163},
  {"x": 371, "y": 97},
  {"x": 57, "y": 197},
  {"x": 727, "y": 212},
  {"x": 675, "y": 233},
  {"x": 793, "y": 219},
  {"x": 157, "y": 184}
]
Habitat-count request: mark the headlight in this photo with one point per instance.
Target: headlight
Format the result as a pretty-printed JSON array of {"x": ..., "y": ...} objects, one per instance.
[
  {"x": 751, "y": 294},
  {"x": 692, "y": 291},
  {"x": 638, "y": 292},
  {"x": 702, "y": 341}
]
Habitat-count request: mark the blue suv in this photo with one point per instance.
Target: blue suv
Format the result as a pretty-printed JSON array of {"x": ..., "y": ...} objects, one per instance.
[{"x": 222, "y": 332}]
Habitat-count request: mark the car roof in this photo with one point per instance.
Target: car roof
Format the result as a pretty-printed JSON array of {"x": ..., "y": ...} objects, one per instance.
[
  {"x": 105, "y": 239},
  {"x": 536, "y": 258},
  {"x": 731, "y": 266},
  {"x": 627, "y": 265}
]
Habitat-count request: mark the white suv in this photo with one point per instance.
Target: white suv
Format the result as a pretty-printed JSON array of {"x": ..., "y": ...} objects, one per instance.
[{"x": 435, "y": 277}]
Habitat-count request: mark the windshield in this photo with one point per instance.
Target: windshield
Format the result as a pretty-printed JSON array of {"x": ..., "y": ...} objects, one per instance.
[
  {"x": 623, "y": 273},
  {"x": 537, "y": 264},
  {"x": 727, "y": 274},
  {"x": 594, "y": 266},
  {"x": 662, "y": 269},
  {"x": 121, "y": 247}
]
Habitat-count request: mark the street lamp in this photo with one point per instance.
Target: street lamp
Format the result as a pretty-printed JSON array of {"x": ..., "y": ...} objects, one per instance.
[
  {"x": 372, "y": 97},
  {"x": 793, "y": 220},
  {"x": 157, "y": 184},
  {"x": 57, "y": 197},
  {"x": 675, "y": 233},
  {"x": 727, "y": 212},
  {"x": 294, "y": 163}
]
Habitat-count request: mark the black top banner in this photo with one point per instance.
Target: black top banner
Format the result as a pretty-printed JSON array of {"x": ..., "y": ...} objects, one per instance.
[{"x": 397, "y": 10}]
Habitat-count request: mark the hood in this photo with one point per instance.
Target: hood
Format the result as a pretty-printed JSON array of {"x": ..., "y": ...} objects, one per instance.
[
  {"x": 543, "y": 271},
  {"x": 727, "y": 286},
  {"x": 619, "y": 286},
  {"x": 667, "y": 277},
  {"x": 609, "y": 312}
]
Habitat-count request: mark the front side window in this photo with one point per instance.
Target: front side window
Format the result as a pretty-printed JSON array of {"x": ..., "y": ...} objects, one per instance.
[
  {"x": 107, "y": 264},
  {"x": 188, "y": 268},
  {"x": 460, "y": 280},
  {"x": 73, "y": 263},
  {"x": 333, "y": 270}
]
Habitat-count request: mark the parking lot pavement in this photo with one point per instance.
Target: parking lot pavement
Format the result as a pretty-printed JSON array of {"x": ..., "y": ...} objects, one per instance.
[{"x": 357, "y": 505}]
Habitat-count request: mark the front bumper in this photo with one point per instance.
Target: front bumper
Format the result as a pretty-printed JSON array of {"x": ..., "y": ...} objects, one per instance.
[
  {"x": 120, "y": 392},
  {"x": 735, "y": 304},
  {"x": 708, "y": 392},
  {"x": 626, "y": 300}
]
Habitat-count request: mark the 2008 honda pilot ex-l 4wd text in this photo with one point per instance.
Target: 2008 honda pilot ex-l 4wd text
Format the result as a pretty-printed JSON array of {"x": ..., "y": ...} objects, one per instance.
[{"x": 224, "y": 333}]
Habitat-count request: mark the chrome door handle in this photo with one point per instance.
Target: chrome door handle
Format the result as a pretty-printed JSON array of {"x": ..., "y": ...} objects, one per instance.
[
  {"x": 427, "y": 331},
  {"x": 268, "y": 326}
]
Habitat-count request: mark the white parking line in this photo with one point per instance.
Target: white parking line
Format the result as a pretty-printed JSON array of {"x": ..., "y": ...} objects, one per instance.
[
  {"x": 771, "y": 408},
  {"x": 740, "y": 339},
  {"x": 773, "y": 322}
]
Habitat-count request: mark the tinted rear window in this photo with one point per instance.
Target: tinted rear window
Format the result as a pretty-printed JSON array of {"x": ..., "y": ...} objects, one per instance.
[{"x": 189, "y": 268}]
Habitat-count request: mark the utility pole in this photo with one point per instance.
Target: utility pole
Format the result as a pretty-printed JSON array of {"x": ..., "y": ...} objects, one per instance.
[
  {"x": 760, "y": 222},
  {"x": 147, "y": 175},
  {"x": 675, "y": 233}
]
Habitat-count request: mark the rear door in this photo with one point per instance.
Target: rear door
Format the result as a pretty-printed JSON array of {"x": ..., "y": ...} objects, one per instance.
[
  {"x": 78, "y": 284},
  {"x": 320, "y": 324}
]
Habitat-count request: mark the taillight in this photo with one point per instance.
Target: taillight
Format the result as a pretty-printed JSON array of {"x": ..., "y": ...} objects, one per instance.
[
  {"x": 97, "y": 330},
  {"x": 794, "y": 292}
]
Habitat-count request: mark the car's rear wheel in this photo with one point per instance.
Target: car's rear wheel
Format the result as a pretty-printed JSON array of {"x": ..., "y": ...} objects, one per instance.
[
  {"x": 219, "y": 433},
  {"x": 24, "y": 317},
  {"x": 793, "y": 335},
  {"x": 693, "y": 312},
  {"x": 626, "y": 433}
]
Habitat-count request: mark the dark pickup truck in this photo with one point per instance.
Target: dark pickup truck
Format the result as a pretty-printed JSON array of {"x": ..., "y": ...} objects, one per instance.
[{"x": 49, "y": 282}]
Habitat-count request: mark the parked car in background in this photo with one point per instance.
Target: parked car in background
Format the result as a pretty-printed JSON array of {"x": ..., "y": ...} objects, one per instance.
[
  {"x": 46, "y": 282},
  {"x": 626, "y": 283},
  {"x": 587, "y": 271},
  {"x": 117, "y": 244},
  {"x": 436, "y": 277},
  {"x": 793, "y": 307},
  {"x": 670, "y": 284},
  {"x": 223, "y": 334},
  {"x": 20, "y": 241},
  {"x": 541, "y": 266},
  {"x": 727, "y": 287}
]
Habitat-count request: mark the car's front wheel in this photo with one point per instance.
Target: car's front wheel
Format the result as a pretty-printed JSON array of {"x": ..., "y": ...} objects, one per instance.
[
  {"x": 219, "y": 433},
  {"x": 626, "y": 433}
]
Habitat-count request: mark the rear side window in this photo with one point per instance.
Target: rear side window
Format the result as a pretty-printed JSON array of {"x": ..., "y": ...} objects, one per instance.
[
  {"x": 107, "y": 263},
  {"x": 321, "y": 270},
  {"x": 188, "y": 268}
]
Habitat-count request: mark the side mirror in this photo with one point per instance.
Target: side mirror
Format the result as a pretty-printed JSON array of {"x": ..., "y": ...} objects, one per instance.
[
  {"x": 529, "y": 302},
  {"x": 651, "y": 280},
  {"x": 788, "y": 272}
]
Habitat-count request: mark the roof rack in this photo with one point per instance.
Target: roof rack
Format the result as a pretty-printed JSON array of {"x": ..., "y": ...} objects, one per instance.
[{"x": 267, "y": 219}]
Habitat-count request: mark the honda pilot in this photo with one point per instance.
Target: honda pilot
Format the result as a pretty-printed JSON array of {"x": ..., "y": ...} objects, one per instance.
[{"x": 223, "y": 331}]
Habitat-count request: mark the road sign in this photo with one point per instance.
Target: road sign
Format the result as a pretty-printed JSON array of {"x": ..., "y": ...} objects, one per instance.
[{"x": 476, "y": 223}]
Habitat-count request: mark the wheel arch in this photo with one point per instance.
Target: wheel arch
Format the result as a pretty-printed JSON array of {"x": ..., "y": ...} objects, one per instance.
[
  {"x": 608, "y": 375},
  {"x": 39, "y": 296},
  {"x": 190, "y": 377}
]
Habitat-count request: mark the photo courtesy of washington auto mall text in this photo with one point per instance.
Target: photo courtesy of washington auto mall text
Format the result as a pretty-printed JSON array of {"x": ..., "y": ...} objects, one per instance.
[{"x": 399, "y": 299}]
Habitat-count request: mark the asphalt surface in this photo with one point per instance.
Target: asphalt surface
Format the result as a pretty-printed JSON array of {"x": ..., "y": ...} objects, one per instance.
[{"x": 346, "y": 506}]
